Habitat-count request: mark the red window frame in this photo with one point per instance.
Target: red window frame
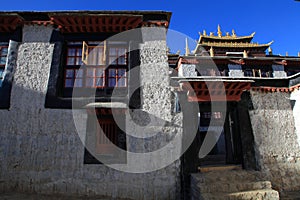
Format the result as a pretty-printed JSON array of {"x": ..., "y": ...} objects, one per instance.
[
  {"x": 116, "y": 77},
  {"x": 117, "y": 57},
  {"x": 3, "y": 57},
  {"x": 75, "y": 77},
  {"x": 77, "y": 55},
  {"x": 95, "y": 77}
]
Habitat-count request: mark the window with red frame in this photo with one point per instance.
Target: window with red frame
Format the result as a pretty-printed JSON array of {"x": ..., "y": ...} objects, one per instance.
[
  {"x": 117, "y": 56},
  {"x": 73, "y": 78},
  {"x": 74, "y": 55},
  {"x": 3, "y": 56},
  {"x": 95, "y": 77},
  {"x": 117, "y": 77}
]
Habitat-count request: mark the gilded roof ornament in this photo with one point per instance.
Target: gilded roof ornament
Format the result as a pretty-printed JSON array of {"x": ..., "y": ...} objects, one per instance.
[
  {"x": 187, "y": 49},
  {"x": 219, "y": 31},
  {"x": 211, "y": 34},
  {"x": 270, "y": 51},
  {"x": 211, "y": 52},
  {"x": 204, "y": 32},
  {"x": 233, "y": 33},
  {"x": 298, "y": 54}
]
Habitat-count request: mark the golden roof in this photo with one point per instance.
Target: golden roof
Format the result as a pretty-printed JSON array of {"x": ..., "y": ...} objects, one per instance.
[
  {"x": 226, "y": 37},
  {"x": 234, "y": 44}
]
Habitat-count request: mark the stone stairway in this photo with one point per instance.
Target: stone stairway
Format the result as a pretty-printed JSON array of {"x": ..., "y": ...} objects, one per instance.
[{"x": 230, "y": 183}]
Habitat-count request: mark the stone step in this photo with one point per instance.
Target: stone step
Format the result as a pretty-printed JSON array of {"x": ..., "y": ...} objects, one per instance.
[
  {"x": 234, "y": 186},
  {"x": 204, "y": 169},
  {"x": 226, "y": 176},
  {"x": 290, "y": 195},
  {"x": 265, "y": 194}
]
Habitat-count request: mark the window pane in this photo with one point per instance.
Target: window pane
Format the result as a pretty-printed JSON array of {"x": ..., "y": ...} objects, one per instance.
[
  {"x": 112, "y": 60},
  {"x": 1, "y": 72},
  {"x": 100, "y": 72},
  {"x": 112, "y": 51},
  {"x": 79, "y": 52},
  {"x": 90, "y": 72},
  {"x": 79, "y": 73},
  {"x": 78, "y": 61},
  {"x": 89, "y": 82},
  {"x": 122, "y": 51},
  {"x": 71, "y": 52},
  {"x": 121, "y": 72},
  {"x": 69, "y": 83},
  {"x": 122, "y": 82},
  {"x": 70, "y": 61},
  {"x": 69, "y": 73},
  {"x": 2, "y": 60},
  {"x": 111, "y": 82},
  {"x": 4, "y": 50},
  {"x": 112, "y": 73},
  {"x": 99, "y": 82},
  {"x": 78, "y": 82},
  {"x": 122, "y": 60}
]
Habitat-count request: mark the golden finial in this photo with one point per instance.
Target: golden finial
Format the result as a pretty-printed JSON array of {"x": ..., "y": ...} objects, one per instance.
[
  {"x": 286, "y": 53},
  {"x": 211, "y": 52},
  {"x": 245, "y": 54},
  {"x": 187, "y": 50},
  {"x": 211, "y": 34},
  {"x": 233, "y": 33},
  {"x": 270, "y": 51},
  {"x": 298, "y": 54},
  {"x": 219, "y": 31},
  {"x": 204, "y": 32},
  {"x": 227, "y": 34}
]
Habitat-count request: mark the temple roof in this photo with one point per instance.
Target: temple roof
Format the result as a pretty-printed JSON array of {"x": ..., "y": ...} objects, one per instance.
[
  {"x": 220, "y": 37},
  {"x": 235, "y": 44},
  {"x": 229, "y": 43}
]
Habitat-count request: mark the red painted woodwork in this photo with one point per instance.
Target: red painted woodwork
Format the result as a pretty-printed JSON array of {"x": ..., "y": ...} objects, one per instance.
[{"x": 203, "y": 91}]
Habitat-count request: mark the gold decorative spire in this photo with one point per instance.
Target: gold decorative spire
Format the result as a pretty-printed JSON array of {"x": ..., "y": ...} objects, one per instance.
[
  {"x": 219, "y": 31},
  {"x": 270, "y": 51},
  {"x": 298, "y": 54},
  {"x": 211, "y": 52},
  {"x": 211, "y": 34},
  {"x": 286, "y": 53},
  {"x": 245, "y": 54},
  {"x": 187, "y": 49},
  {"x": 233, "y": 33},
  {"x": 204, "y": 32}
]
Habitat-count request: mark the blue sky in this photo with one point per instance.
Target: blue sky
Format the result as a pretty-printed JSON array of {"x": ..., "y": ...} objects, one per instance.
[{"x": 276, "y": 20}]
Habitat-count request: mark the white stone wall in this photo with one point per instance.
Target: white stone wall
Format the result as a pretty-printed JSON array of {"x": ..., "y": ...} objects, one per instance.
[
  {"x": 278, "y": 71},
  {"x": 235, "y": 70},
  {"x": 187, "y": 70},
  {"x": 40, "y": 150},
  {"x": 276, "y": 146},
  {"x": 295, "y": 97}
]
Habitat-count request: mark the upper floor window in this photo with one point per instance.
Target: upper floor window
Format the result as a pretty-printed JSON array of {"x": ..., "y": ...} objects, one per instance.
[
  {"x": 263, "y": 72},
  {"x": 93, "y": 64},
  {"x": 3, "y": 57}
]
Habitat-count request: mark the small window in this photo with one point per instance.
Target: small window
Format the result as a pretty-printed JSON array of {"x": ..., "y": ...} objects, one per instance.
[
  {"x": 3, "y": 57},
  {"x": 95, "y": 77},
  {"x": 73, "y": 78},
  {"x": 117, "y": 77},
  {"x": 74, "y": 56},
  {"x": 117, "y": 56}
]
